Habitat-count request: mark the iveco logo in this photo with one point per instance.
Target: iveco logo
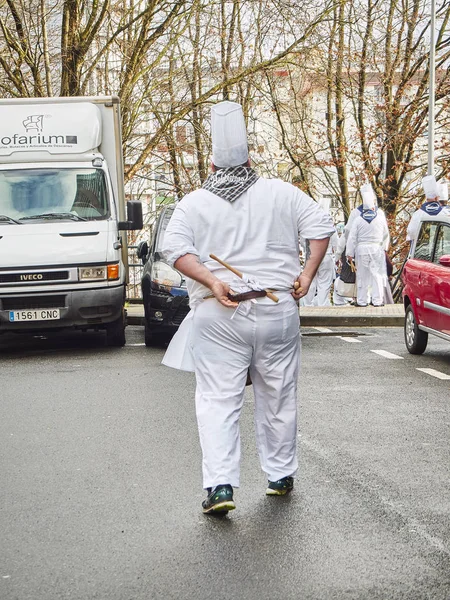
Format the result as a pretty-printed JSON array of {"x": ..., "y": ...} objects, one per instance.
[{"x": 31, "y": 277}]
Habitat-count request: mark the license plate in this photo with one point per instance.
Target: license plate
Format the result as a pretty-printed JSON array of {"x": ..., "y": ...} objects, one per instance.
[{"x": 42, "y": 314}]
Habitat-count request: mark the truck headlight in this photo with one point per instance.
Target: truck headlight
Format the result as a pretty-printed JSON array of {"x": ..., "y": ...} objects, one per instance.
[
  {"x": 92, "y": 273},
  {"x": 163, "y": 274}
]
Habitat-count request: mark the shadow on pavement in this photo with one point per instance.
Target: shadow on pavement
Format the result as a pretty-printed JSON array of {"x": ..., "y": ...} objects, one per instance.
[{"x": 22, "y": 344}]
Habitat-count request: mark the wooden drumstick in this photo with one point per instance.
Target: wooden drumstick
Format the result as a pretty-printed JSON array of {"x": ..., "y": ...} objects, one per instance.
[{"x": 239, "y": 274}]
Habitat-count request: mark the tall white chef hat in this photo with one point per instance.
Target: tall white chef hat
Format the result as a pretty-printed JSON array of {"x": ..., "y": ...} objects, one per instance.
[
  {"x": 229, "y": 135},
  {"x": 325, "y": 204},
  {"x": 368, "y": 197},
  {"x": 430, "y": 187},
  {"x": 443, "y": 190}
]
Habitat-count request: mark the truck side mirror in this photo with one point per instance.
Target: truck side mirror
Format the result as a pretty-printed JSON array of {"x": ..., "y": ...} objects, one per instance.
[
  {"x": 445, "y": 260},
  {"x": 134, "y": 216}
]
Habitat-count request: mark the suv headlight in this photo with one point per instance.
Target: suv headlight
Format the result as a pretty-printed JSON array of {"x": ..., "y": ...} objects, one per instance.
[{"x": 163, "y": 274}]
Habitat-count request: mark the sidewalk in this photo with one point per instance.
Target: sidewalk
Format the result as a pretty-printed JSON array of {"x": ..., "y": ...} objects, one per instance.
[{"x": 391, "y": 315}]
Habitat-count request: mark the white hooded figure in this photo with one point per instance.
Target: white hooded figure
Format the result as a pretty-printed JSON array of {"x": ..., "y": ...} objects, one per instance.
[
  {"x": 368, "y": 240},
  {"x": 371, "y": 202},
  {"x": 436, "y": 196},
  {"x": 319, "y": 291},
  {"x": 341, "y": 296},
  {"x": 356, "y": 212},
  {"x": 253, "y": 224}
]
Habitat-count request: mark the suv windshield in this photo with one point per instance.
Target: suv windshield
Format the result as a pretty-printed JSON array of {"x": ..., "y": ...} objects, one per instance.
[
  {"x": 77, "y": 194},
  {"x": 162, "y": 226}
]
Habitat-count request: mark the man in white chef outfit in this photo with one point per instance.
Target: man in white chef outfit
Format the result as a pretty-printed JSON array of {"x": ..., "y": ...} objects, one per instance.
[
  {"x": 368, "y": 240},
  {"x": 436, "y": 195},
  {"x": 356, "y": 212},
  {"x": 319, "y": 291},
  {"x": 339, "y": 300},
  {"x": 254, "y": 225}
]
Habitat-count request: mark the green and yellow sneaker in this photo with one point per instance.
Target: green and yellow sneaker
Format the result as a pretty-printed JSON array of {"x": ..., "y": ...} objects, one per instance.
[
  {"x": 281, "y": 487},
  {"x": 219, "y": 501}
]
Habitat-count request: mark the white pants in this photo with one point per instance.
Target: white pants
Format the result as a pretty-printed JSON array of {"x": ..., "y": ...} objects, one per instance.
[
  {"x": 370, "y": 272},
  {"x": 319, "y": 290},
  {"x": 266, "y": 340}
]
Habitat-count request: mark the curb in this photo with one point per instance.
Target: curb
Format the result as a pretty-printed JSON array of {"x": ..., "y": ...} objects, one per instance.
[
  {"x": 356, "y": 321},
  {"x": 135, "y": 320},
  {"x": 324, "y": 321}
]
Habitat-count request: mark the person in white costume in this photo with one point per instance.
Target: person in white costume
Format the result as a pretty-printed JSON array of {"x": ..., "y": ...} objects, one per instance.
[
  {"x": 319, "y": 291},
  {"x": 436, "y": 195},
  {"x": 339, "y": 300},
  {"x": 368, "y": 240},
  {"x": 356, "y": 212},
  {"x": 254, "y": 225}
]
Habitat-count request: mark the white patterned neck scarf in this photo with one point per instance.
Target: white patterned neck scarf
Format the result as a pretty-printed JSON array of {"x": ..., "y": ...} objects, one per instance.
[{"x": 230, "y": 183}]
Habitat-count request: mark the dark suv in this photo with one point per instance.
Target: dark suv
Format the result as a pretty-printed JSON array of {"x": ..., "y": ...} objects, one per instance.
[{"x": 164, "y": 291}]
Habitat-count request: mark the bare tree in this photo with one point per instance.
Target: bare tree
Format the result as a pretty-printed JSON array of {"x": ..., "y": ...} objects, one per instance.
[{"x": 166, "y": 59}]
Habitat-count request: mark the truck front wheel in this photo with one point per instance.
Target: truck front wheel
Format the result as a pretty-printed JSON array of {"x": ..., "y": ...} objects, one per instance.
[{"x": 115, "y": 333}]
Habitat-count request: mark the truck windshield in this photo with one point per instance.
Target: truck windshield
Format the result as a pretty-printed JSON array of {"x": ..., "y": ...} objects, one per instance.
[{"x": 76, "y": 194}]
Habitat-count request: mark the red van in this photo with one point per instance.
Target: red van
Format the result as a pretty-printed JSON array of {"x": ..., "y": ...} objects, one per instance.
[{"x": 426, "y": 280}]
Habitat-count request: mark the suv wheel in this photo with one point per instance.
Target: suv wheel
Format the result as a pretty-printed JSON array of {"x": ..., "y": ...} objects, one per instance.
[
  {"x": 151, "y": 338},
  {"x": 148, "y": 336},
  {"x": 415, "y": 339},
  {"x": 115, "y": 333}
]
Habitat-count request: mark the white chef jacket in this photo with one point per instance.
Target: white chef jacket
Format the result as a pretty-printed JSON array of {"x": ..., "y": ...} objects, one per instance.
[
  {"x": 353, "y": 215},
  {"x": 333, "y": 243},
  {"x": 258, "y": 234},
  {"x": 363, "y": 234},
  {"x": 418, "y": 216}
]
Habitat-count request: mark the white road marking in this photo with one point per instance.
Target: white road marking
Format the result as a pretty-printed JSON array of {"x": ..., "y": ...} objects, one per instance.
[
  {"x": 323, "y": 329},
  {"x": 387, "y": 354},
  {"x": 434, "y": 373},
  {"x": 142, "y": 344},
  {"x": 352, "y": 340}
]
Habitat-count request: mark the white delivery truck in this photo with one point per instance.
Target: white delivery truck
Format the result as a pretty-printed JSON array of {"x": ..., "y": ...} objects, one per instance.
[{"x": 62, "y": 213}]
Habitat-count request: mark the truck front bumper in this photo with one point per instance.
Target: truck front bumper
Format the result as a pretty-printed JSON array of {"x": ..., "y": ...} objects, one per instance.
[{"x": 78, "y": 309}]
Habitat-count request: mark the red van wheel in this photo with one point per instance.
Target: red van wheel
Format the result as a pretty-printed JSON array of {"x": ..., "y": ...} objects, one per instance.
[{"x": 415, "y": 339}]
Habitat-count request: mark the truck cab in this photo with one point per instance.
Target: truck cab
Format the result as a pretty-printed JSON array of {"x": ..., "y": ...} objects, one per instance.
[{"x": 62, "y": 216}]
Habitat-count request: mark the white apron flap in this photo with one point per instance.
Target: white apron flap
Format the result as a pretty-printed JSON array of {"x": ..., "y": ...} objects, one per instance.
[
  {"x": 347, "y": 290},
  {"x": 388, "y": 298},
  {"x": 179, "y": 353}
]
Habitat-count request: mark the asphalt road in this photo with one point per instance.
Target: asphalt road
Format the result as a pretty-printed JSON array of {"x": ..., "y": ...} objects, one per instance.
[{"x": 101, "y": 484}]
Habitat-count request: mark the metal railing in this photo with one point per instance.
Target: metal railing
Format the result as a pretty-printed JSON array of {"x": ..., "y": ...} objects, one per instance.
[{"x": 134, "y": 292}]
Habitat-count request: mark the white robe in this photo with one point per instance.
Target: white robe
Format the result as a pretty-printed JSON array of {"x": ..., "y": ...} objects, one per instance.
[
  {"x": 352, "y": 216},
  {"x": 319, "y": 291},
  {"x": 257, "y": 234},
  {"x": 367, "y": 243},
  {"x": 418, "y": 216}
]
